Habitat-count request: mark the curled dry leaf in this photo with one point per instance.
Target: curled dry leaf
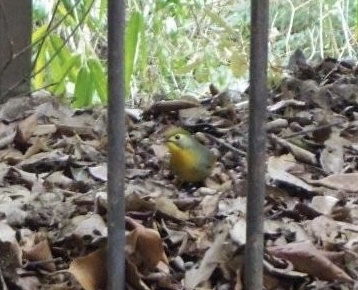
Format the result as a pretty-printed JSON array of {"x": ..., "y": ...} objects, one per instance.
[
  {"x": 340, "y": 181},
  {"x": 212, "y": 258},
  {"x": 41, "y": 252},
  {"x": 324, "y": 204},
  {"x": 333, "y": 233},
  {"x": 306, "y": 258},
  {"x": 167, "y": 207},
  {"x": 285, "y": 103},
  {"x": 26, "y": 128},
  {"x": 45, "y": 161},
  {"x": 176, "y": 237},
  {"x": 209, "y": 205},
  {"x": 135, "y": 203},
  {"x": 90, "y": 271},
  {"x": 277, "y": 173},
  {"x": 144, "y": 247},
  {"x": 99, "y": 172},
  {"x": 299, "y": 153},
  {"x": 331, "y": 158},
  {"x": 133, "y": 277}
]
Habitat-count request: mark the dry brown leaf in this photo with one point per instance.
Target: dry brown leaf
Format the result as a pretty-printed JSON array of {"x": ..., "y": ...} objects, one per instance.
[
  {"x": 38, "y": 145},
  {"x": 58, "y": 179},
  {"x": 133, "y": 277},
  {"x": 99, "y": 171},
  {"x": 41, "y": 252},
  {"x": 308, "y": 259},
  {"x": 213, "y": 256},
  {"x": 15, "y": 109},
  {"x": 285, "y": 103},
  {"x": 340, "y": 181},
  {"x": 209, "y": 205},
  {"x": 144, "y": 247},
  {"x": 332, "y": 233},
  {"x": 276, "y": 171},
  {"x": 90, "y": 271},
  {"x": 332, "y": 158},
  {"x": 134, "y": 202},
  {"x": 324, "y": 204},
  {"x": 167, "y": 207},
  {"x": 44, "y": 129},
  {"x": 45, "y": 161},
  {"x": 25, "y": 128},
  {"x": 299, "y": 153}
]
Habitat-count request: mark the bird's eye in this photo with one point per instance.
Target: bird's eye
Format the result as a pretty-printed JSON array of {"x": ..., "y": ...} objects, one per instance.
[{"x": 177, "y": 137}]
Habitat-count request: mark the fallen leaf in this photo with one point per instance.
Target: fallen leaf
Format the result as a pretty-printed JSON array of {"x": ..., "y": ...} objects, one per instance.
[
  {"x": 90, "y": 271},
  {"x": 213, "y": 256},
  {"x": 41, "y": 252},
  {"x": 340, "y": 181},
  {"x": 144, "y": 247},
  {"x": 167, "y": 207},
  {"x": 308, "y": 259}
]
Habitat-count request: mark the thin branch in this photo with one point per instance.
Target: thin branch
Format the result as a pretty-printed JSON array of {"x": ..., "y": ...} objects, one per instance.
[
  {"x": 303, "y": 132},
  {"x": 48, "y": 29},
  {"x": 53, "y": 56},
  {"x": 26, "y": 48}
]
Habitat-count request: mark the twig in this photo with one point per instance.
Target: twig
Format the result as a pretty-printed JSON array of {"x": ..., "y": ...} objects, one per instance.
[
  {"x": 228, "y": 146},
  {"x": 52, "y": 57},
  {"x": 303, "y": 132},
  {"x": 48, "y": 29},
  {"x": 33, "y": 264}
]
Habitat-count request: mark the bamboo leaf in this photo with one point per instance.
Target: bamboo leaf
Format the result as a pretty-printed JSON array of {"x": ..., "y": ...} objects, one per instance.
[
  {"x": 68, "y": 69},
  {"x": 99, "y": 78},
  {"x": 133, "y": 30},
  {"x": 39, "y": 33},
  {"x": 39, "y": 78},
  {"x": 83, "y": 88}
]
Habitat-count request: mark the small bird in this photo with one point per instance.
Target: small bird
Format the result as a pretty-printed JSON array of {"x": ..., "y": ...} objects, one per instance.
[{"x": 190, "y": 161}]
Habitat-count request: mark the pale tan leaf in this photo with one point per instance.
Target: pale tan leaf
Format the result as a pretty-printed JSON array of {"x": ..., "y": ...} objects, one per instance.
[{"x": 90, "y": 271}]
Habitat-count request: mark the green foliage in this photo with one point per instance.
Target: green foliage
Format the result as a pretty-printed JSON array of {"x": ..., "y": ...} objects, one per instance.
[
  {"x": 134, "y": 29},
  {"x": 178, "y": 47},
  {"x": 67, "y": 44},
  {"x": 194, "y": 43}
]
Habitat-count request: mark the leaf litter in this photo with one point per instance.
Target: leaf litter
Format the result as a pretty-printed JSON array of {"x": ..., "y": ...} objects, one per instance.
[{"x": 53, "y": 200}]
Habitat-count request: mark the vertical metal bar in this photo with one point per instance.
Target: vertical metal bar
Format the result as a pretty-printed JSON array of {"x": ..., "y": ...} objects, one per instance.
[
  {"x": 257, "y": 143},
  {"x": 116, "y": 145}
]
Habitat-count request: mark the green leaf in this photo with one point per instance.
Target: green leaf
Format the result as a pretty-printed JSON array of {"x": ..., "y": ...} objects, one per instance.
[
  {"x": 64, "y": 78},
  {"x": 239, "y": 63},
  {"x": 83, "y": 88},
  {"x": 99, "y": 78},
  {"x": 221, "y": 22},
  {"x": 39, "y": 78},
  {"x": 39, "y": 33},
  {"x": 143, "y": 52},
  {"x": 135, "y": 26}
]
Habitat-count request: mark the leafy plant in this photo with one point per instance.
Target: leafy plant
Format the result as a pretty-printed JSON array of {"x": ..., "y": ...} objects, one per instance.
[
  {"x": 179, "y": 47},
  {"x": 68, "y": 58}
]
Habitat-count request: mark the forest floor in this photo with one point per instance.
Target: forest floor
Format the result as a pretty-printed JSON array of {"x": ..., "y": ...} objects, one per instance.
[{"x": 53, "y": 200}]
